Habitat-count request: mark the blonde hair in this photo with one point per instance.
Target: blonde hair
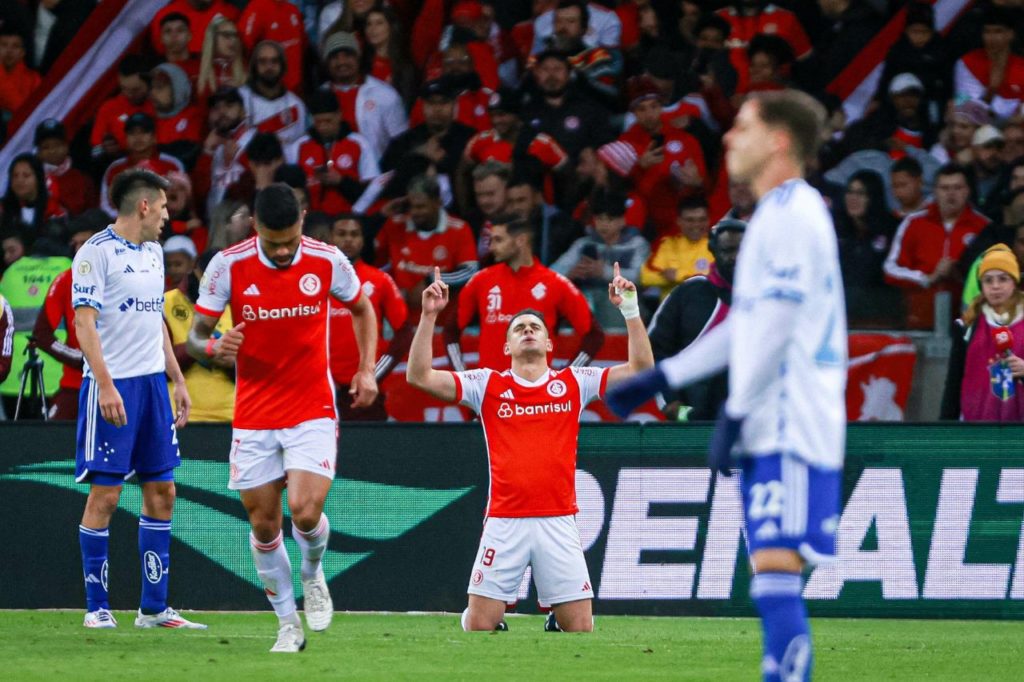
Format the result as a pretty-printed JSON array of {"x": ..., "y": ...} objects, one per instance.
[
  {"x": 973, "y": 311},
  {"x": 207, "y": 83}
]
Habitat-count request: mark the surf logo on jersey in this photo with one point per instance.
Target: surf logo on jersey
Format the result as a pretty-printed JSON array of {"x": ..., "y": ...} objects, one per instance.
[
  {"x": 309, "y": 284},
  {"x": 506, "y": 411},
  {"x": 260, "y": 313},
  {"x": 154, "y": 567},
  {"x": 556, "y": 388}
]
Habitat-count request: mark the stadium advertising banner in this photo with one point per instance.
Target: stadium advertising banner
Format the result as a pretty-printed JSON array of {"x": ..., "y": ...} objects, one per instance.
[{"x": 931, "y": 525}]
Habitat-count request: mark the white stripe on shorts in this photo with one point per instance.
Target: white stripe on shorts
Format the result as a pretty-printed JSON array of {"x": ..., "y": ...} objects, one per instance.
[{"x": 794, "y": 485}]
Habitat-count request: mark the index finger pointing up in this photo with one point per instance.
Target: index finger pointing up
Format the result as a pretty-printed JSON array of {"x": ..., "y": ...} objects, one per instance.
[
  {"x": 437, "y": 274},
  {"x": 615, "y": 270}
]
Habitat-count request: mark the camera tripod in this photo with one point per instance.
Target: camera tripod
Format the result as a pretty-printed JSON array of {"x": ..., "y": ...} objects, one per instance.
[{"x": 32, "y": 379}]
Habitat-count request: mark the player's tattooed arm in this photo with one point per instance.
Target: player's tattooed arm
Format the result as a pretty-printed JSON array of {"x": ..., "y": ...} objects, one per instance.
[{"x": 202, "y": 345}]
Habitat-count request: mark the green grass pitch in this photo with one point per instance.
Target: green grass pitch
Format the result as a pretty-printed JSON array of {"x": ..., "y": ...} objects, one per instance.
[{"x": 53, "y": 646}]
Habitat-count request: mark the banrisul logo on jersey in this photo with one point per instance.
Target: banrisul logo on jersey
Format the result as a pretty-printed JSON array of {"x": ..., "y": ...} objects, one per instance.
[
  {"x": 258, "y": 312},
  {"x": 142, "y": 305}
]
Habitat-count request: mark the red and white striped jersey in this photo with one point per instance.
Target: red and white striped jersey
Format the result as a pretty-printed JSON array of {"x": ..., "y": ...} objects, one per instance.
[
  {"x": 284, "y": 116},
  {"x": 530, "y": 429},
  {"x": 282, "y": 376}
]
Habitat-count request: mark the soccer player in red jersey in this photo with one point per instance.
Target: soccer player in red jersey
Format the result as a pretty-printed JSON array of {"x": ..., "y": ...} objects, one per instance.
[
  {"x": 279, "y": 284},
  {"x": 530, "y": 513},
  {"x": 518, "y": 281}
]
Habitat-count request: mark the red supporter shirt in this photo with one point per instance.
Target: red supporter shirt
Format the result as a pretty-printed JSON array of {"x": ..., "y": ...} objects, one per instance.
[
  {"x": 470, "y": 109},
  {"x": 487, "y": 146},
  {"x": 351, "y": 157},
  {"x": 282, "y": 377},
  {"x": 188, "y": 124},
  {"x": 413, "y": 254},
  {"x": 110, "y": 118},
  {"x": 280, "y": 21},
  {"x": 387, "y": 303},
  {"x": 527, "y": 480},
  {"x": 161, "y": 164},
  {"x": 380, "y": 68},
  {"x": 771, "y": 20},
  {"x": 57, "y": 307},
  {"x": 656, "y": 185},
  {"x": 198, "y": 20},
  {"x": 498, "y": 292}
]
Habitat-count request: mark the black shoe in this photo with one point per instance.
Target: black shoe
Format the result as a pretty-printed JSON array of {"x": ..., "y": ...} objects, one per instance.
[
  {"x": 551, "y": 624},
  {"x": 501, "y": 627}
]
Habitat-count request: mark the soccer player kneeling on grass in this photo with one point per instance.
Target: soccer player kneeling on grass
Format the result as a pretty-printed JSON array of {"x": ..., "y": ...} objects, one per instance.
[
  {"x": 285, "y": 425},
  {"x": 530, "y": 415},
  {"x": 784, "y": 343},
  {"x": 125, "y": 426}
]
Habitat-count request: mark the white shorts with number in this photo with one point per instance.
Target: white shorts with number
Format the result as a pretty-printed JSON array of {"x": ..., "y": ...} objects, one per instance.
[
  {"x": 551, "y": 545},
  {"x": 260, "y": 456}
]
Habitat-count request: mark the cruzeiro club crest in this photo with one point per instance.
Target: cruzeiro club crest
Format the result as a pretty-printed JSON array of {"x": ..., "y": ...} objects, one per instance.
[{"x": 352, "y": 505}]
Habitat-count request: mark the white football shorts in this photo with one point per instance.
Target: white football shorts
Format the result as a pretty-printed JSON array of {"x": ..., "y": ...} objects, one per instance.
[
  {"x": 551, "y": 545},
  {"x": 260, "y": 456}
]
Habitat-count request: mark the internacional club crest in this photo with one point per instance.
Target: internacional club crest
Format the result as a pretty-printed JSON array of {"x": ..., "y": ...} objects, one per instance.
[{"x": 309, "y": 285}]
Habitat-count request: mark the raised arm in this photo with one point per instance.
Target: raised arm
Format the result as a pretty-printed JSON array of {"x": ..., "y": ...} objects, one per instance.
[
  {"x": 622, "y": 294},
  {"x": 420, "y": 372}
]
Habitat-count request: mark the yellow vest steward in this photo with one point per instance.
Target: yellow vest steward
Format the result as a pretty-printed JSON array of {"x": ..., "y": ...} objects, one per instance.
[{"x": 212, "y": 389}]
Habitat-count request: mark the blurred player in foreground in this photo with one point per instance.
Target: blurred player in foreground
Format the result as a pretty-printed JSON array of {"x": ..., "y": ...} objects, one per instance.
[
  {"x": 125, "y": 426},
  {"x": 530, "y": 514},
  {"x": 285, "y": 428},
  {"x": 785, "y": 345}
]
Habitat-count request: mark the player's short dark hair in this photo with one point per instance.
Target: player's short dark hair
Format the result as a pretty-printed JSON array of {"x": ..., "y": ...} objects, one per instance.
[
  {"x": 8, "y": 30},
  {"x": 291, "y": 175},
  {"x": 498, "y": 169},
  {"x": 607, "y": 201},
  {"x": 953, "y": 168},
  {"x": 513, "y": 224},
  {"x": 777, "y": 49},
  {"x": 714, "y": 21},
  {"x": 129, "y": 185},
  {"x": 424, "y": 184},
  {"x": 175, "y": 16},
  {"x": 355, "y": 217},
  {"x": 584, "y": 11},
  {"x": 525, "y": 311},
  {"x": 317, "y": 225},
  {"x": 908, "y": 165},
  {"x": 691, "y": 202},
  {"x": 799, "y": 114},
  {"x": 724, "y": 226},
  {"x": 134, "y": 65},
  {"x": 527, "y": 171},
  {"x": 264, "y": 148},
  {"x": 276, "y": 207}
]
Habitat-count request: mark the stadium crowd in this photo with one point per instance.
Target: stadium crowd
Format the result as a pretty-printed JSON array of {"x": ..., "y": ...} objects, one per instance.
[{"x": 532, "y": 143}]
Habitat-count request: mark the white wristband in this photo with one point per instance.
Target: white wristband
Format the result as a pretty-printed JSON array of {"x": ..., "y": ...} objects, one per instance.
[{"x": 630, "y": 306}]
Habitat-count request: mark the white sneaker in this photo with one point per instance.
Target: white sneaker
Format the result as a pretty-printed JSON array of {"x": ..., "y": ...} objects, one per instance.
[
  {"x": 100, "y": 618},
  {"x": 168, "y": 618},
  {"x": 318, "y": 606},
  {"x": 290, "y": 640}
]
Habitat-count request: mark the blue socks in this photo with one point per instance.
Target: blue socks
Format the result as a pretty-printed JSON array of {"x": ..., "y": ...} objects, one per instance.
[
  {"x": 154, "y": 551},
  {"x": 94, "y": 542},
  {"x": 787, "y": 640}
]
